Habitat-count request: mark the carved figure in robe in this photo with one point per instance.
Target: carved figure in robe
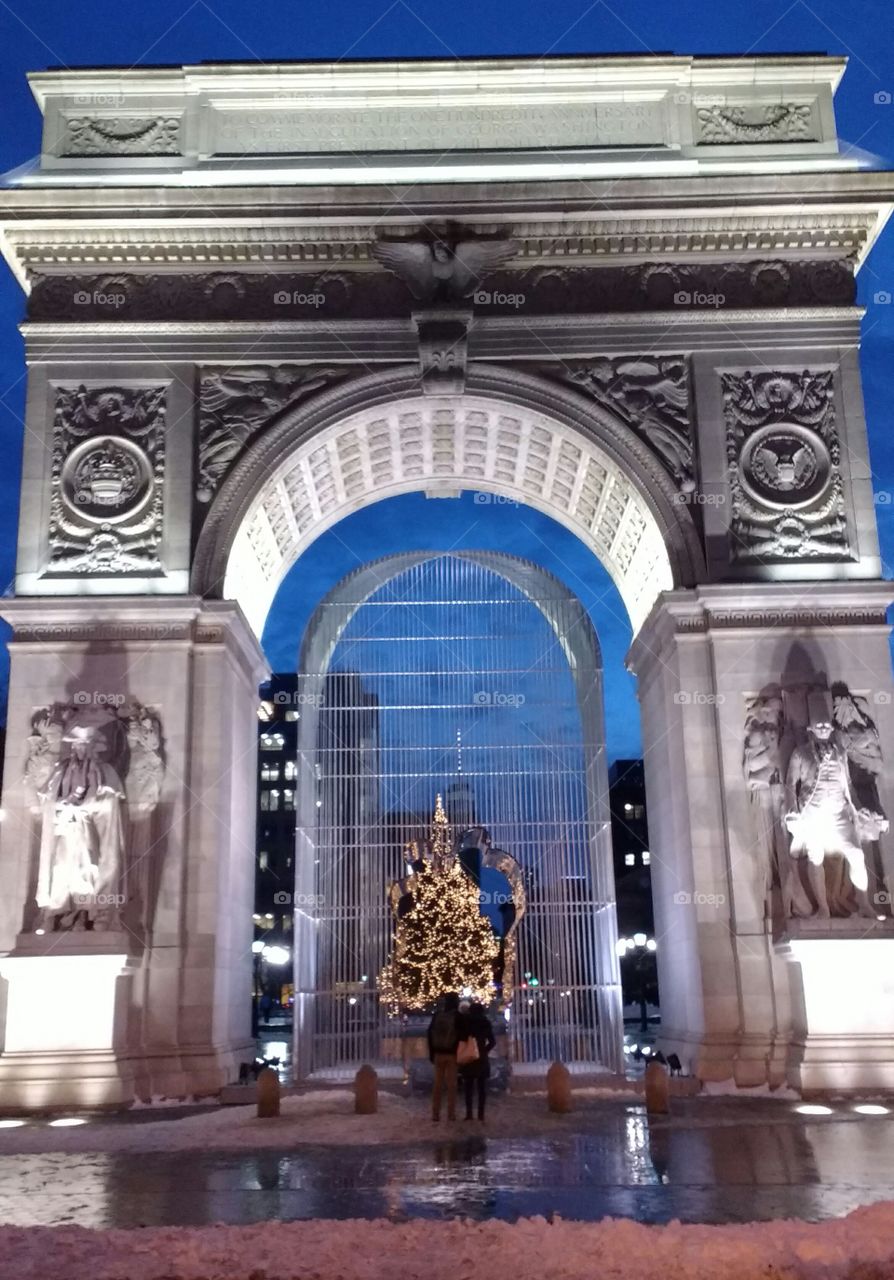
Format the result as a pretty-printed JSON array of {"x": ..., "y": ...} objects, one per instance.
[{"x": 81, "y": 872}]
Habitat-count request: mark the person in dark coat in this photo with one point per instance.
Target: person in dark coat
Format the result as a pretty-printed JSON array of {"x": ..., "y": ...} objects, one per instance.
[
  {"x": 445, "y": 1031},
  {"x": 474, "y": 1075}
]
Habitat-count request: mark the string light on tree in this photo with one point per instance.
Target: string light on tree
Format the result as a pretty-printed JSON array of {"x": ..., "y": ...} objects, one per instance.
[{"x": 442, "y": 942}]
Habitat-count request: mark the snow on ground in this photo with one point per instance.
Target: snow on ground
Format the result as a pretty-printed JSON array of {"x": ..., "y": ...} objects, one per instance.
[
  {"x": 859, "y": 1247},
  {"x": 326, "y": 1117},
  {"x": 323, "y": 1116}
]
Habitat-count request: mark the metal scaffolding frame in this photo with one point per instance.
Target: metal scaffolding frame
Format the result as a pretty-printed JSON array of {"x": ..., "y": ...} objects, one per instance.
[{"x": 476, "y": 675}]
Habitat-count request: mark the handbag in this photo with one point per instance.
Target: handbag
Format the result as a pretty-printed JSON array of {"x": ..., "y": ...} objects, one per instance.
[{"x": 467, "y": 1051}]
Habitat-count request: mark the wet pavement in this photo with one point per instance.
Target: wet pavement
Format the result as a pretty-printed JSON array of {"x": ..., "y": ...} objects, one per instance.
[{"x": 715, "y": 1163}]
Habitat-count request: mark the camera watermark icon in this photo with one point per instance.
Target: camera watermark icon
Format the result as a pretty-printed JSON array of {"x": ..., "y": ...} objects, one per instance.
[
  {"x": 97, "y": 298},
  {"x": 493, "y": 499},
  {"x": 489, "y": 298},
  {"x": 882, "y": 898},
  {"x": 695, "y": 298},
  {"x": 882, "y": 298},
  {"x": 699, "y": 699},
  {"x": 882, "y": 97},
  {"x": 883, "y": 497},
  {"x": 495, "y": 899},
  {"x": 684, "y": 899},
  {"x": 495, "y": 698},
  {"x": 98, "y": 698},
  {"x": 298, "y": 298},
  {"x": 882, "y": 698}
]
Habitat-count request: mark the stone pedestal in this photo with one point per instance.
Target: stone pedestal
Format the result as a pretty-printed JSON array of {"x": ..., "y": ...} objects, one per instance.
[
  {"x": 66, "y": 1026},
  {"x": 843, "y": 997}
]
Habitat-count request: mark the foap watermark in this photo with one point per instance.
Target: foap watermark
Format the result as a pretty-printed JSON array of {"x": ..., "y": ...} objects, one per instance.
[
  {"x": 698, "y": 698},
  {"x": 493, "y": 500},
  {"x": 287, "y": 698},
  {"x": 495, "y": 899},
  {"x": 496, "y": 698},
  {"x": 693, "y": 498},
  {"x": 299, "y": 900},
  {"x": 882, "y": 698},
  {"x": 695, "y": 298},
  {"x": 99, "y": 698},
  {"x": 882, "y": 97},
  {"x": 494, "y": 298},
  {"x": 106, "y": 99},
  {"x": 298, "y": 298},
  {"x": 882, "y": 898},
  {"x": 883, "y": 497},
  {"x": 99, "y": 298},
  {"x": 685, "y": 98},
  {"x": 882, "y": 298},
  {"x": 99, "y": 899},
  {"x": 684, "y": 899}
]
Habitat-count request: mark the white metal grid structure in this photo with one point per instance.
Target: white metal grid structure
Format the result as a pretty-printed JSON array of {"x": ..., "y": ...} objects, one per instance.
[{"x": 478, "y": 676}]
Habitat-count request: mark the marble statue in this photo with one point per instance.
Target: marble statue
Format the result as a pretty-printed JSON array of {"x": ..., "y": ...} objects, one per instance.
[
  {"x": 765, "y": 779},
  {"x": 146, "y": 768},
  {"x": 822, "y": 815},
  {"x": 81, "y": 873}
]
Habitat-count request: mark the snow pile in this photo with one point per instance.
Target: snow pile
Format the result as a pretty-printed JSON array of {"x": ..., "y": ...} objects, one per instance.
[{"x": 859, "y": 1247}]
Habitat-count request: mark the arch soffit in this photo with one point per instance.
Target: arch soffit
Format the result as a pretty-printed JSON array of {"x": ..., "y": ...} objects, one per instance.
[{"x": 510, "y": 432}]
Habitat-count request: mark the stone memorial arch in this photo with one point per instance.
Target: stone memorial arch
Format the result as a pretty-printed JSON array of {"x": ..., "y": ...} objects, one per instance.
[{"x": 619, "y": 290}]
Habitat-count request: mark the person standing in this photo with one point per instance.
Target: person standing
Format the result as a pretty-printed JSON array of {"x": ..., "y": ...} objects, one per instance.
[
  {"x": 443, "y": 1038},
  {"x": 475, "y": 1074}
]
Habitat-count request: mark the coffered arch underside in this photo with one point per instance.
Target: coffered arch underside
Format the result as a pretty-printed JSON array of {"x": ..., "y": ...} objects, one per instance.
[{"x": 443, "y": 444}]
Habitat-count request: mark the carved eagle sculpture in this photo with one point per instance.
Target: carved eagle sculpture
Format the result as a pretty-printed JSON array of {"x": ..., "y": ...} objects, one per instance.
[{"x": 440, "y": 271}]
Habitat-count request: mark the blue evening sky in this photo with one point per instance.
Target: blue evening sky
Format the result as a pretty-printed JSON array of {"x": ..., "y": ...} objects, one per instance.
[{"x": 42, "y": 33}]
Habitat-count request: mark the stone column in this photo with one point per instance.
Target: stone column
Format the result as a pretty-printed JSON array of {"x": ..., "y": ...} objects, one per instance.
[
  {"x": 183, "y": 945},
  {"x": 733, "y": 1004}
]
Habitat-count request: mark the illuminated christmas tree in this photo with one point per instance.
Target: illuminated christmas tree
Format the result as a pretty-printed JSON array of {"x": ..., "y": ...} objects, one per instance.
[{"x": 442, "y": 942}]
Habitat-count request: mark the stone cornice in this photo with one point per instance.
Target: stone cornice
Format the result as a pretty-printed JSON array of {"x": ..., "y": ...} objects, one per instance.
[
  {"x": 774, "y": 606},
  {"x": 310, "y": 229},
  {"x": 508, "y": 339},
  {"x": 585, "y": 242}
]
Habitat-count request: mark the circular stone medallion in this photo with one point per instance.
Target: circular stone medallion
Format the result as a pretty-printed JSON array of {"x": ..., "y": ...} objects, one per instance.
[
  {"x": 106, "y": 479},
  {"x": 784, "y": 465}
]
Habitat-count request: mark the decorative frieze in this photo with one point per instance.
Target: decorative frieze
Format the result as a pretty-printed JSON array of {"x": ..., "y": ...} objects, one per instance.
[
  {"x": 783, "y": 452},
  {"x": 101, "y": 135},
  {"x": 364, "y": 294},
  {"x": 756, "y": 123},
  {"x": 107, "y": 496}
]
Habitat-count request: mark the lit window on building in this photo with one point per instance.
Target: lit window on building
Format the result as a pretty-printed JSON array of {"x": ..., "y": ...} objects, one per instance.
[
  {"x": 263, "y": 860},
  {"x": 270, "y": 773},
  {"x": 291, "y": 770},
  {"x": 270, "y": 800},
  {"x": 629, "y": 859},
  {"x": 288, "y": 798},
  {"x": 272, "y": 742},
  {"x": 291, "y": 715},
  {"x": 647, "y": 858}
]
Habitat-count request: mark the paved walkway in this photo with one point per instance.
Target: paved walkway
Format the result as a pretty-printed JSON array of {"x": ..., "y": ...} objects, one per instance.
[{"x": 714, "y": 1161}]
